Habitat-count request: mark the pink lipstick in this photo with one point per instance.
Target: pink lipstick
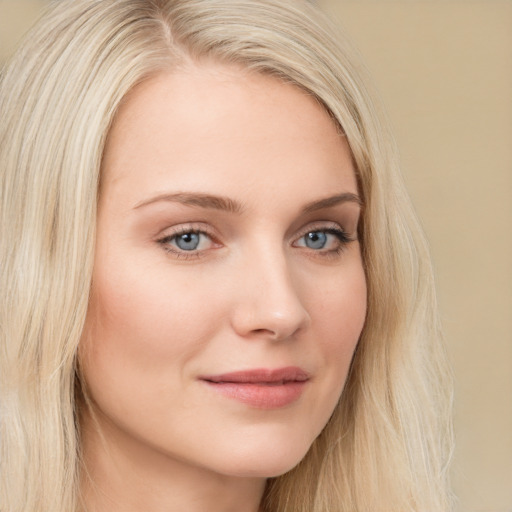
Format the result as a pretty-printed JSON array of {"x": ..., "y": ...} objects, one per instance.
[{"x": 261, "y": 388}]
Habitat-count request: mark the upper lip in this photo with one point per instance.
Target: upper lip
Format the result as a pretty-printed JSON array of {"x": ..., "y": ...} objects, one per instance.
[{"x": 260, "y": 375}]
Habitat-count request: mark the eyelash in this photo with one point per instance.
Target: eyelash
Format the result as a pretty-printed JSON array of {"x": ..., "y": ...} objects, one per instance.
[
  {"x": 343, "y": 238},
  {"x": 176, "y": 251}
]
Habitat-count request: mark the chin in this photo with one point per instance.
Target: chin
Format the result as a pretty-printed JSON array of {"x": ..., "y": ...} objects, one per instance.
[{"x": 268, "y": 461}]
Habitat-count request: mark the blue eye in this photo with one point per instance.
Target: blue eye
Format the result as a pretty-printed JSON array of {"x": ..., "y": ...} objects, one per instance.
[
  {"x": 315, "y": 239},
  {"x": 187, "y": 241},
  {"x": 324, "y": 241}
]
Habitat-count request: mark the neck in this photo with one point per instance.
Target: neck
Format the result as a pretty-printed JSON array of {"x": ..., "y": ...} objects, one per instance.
[{"x": 122, "y": 474}]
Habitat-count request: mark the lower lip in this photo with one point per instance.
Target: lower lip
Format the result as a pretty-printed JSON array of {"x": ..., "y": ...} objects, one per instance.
[{"x": 261, "y": 396}]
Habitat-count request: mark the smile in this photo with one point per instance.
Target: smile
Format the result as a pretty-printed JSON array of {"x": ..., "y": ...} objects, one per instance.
[{"x": 261, "y": 388}]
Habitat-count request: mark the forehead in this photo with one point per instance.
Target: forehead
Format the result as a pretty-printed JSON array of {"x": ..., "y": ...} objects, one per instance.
[{"x": 212, "y": 125}]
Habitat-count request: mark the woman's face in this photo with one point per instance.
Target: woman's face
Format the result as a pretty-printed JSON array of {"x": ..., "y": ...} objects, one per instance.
[{"x": 228, "y": 290}]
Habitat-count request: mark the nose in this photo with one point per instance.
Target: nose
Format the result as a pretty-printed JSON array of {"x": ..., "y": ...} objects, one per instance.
[{"x": 268, "y": 303}]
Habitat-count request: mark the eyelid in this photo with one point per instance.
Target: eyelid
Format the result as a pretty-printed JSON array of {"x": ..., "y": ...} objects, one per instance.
[
  {"x": 166, "y": 235},
  {"x": 186, "y": 227},
  {"x": 324, "y": 254},
  {"x": 199, "y": 228},
  {"x": 327, "y": 226}
]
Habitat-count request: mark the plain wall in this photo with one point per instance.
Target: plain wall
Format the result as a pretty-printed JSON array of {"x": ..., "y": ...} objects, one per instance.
[{"x": 444, "y": 71}]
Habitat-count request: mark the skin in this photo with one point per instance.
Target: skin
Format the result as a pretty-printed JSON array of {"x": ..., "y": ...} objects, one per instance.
[{"x": 253, "y": 294}]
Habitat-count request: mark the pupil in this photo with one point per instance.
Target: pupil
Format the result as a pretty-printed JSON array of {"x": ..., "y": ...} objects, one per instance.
[
  {"x": 188, "y": 241},
  {"x": 316, "y": 240}
]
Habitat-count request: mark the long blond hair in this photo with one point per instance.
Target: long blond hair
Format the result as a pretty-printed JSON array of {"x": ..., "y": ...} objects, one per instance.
[{"x": 387, "y": 445}]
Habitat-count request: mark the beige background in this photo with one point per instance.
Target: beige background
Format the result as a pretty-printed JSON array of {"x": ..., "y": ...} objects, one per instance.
[{"x": 444, "y": 71}]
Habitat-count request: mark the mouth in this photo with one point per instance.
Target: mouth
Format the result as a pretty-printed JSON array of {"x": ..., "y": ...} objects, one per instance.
[{"x": 261, "y": 388}]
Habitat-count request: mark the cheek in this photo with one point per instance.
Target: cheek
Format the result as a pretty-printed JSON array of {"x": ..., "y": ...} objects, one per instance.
[
  {"x": 342, "y": 313},
  {"x": 140, "y": 332},
  {"x": 338, "y": 309},
  {"x": 338, "y": 312},
  {"x": 149, "y": 304}
]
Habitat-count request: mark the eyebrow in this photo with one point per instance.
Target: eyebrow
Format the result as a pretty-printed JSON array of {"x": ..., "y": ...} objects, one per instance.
[
  {"x": 329, "y": 202},
  {"x": 230, "y": 205},
  {"x": 196, "y": 199}
]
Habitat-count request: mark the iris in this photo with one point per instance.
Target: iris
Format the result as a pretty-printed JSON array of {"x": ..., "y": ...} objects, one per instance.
[
  {"x": 187, "y": 241},
  {"x": 316, "y": 240}
]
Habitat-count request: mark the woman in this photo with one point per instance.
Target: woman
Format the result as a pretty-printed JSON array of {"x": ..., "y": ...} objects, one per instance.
[{"x": 215, "y": 293}]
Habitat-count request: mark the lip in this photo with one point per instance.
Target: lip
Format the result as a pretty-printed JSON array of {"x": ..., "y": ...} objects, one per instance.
[{"x": 261, "y": 388}]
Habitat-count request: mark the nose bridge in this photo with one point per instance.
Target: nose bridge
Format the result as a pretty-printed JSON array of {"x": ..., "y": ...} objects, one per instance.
[{"x": 269, "y": 302}]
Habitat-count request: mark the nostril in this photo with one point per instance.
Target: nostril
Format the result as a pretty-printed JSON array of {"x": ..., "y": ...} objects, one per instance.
[
  {"x": 265, "y": 332},
  {"x": 277, "y": 334},
  {"x": 274, "y": 311}
]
